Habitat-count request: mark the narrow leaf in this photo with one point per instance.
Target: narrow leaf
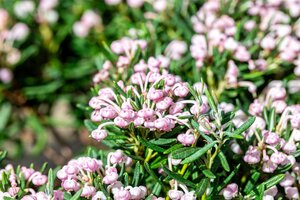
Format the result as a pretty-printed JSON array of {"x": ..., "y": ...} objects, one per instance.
[{"x": 199, "y": 153}]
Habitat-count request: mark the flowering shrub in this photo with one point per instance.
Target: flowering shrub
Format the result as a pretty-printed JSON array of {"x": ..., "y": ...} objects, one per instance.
[{"x": 190, "y": 104}]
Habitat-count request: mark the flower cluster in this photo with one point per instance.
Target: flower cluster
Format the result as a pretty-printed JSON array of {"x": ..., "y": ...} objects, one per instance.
[{"x": 15, "y": 179}]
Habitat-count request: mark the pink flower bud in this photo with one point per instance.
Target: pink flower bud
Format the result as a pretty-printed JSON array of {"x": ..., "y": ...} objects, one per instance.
[
  {"x": 256, "y": 108},
  {"x": 277, "y": 93},
  {"x": 270, "y": 137},
  {"x": 176, "y": 108},
  {"x": 271, "y": 191},
  {"x": 80, "y": 29},
  {"x": 269, "y": 167},
  {"x": 96, "y": 116},
  {"x": 88, "y": 191},
  {"x": 135, "y": 4},
  {"x": 27, "y": 172},
  {"x": 58, "y": 195},
  {"x": 230, "y": 191},
  {"x": 122, "y": 194},
  {"x": 164, "y": 103},
  {"x": 160, "y": 5},
  {"x": 108, "y": 113},
  {"x": 119, "y": 121},
  {"x": 70, "y": 185},
  {"x": 288, "y": 180},
  {"x": 291, "y": 192},
  {"x": 289, "y": 147},
  {"x": 141, "y": 66},
  {"x": 155, "y": 95},
  {"x": 175, "y": 194},
  {"x": 13, "y": 191},
  {"x": 153, "y": 63},
  {"x": 189, "y": 196},
  {"x": 154, "y": 76},
  {"x": 106, "y": 93},
  {"x": 116, "y": 157},
  {"x": 123, "y": 61},
  {"x": 278, "y": 157},
  {"x": 169, "y": 80},
  {"x": 268, "y": 43},
  {"x": 242, "y": 54},
  {"x": 252, "y": 155},
  {"x": 71, "y": 170},
  {"x": 295, "y": 121},
  {"x": 279, "y": 106},
  {"x": 127, "y": 114},
  {"x": 138, "y": 192},
  {"x": 186, "y": 139},
  {"x": 6, "y": 75},
  {"x": 90, "y": 18},
  {"x": 99, "y": 134},
  {"x": 250, "y": 25},
  {"x": 62, "y": 174},
  {"x": 231, "y": 44},
  {"x": 181, "y": 90},
  {"x": 138, "y": 121},
  {"x": 39, "y": 180},
  {"x": 111, "y": 176}
]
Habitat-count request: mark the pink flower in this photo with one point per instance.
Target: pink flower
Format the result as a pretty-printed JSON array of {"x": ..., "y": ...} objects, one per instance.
[
  {"x": 278, "y": 157},
  {"x": 291, "y": 192},
  {"x": 252, "y": 155},
  {"x": 270, "y": 137},
  {"x": 186, "y": 139},
  {"x": 112, "y": 2},
  {"x": 181, "y": 90},
  {"x": 175, "y": 194},
  {"x": 155, "y": 94},
  {"x": 230, "y": 191},
  {"x": 39, "y": 180},
  {"x": 288, "y": 180},
  {"x": 119, "y": 121},
  {"x": 88, "y": 191},
  {"x": 268, "y": 43},
  {"x": 269, "y": 167},
  {"x": 99, "y": 134},
  {"x": 70, "y": 185},
  {"x": 122, "y": 194}
]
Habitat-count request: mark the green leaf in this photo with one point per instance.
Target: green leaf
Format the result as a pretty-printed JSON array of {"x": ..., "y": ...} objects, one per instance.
[
  {"x": 8, "y": 198},
  {"x": 5, "y": 111},
  {"x": 233, "y": 135},
  {"x": 90, "y": 125},
  {"x": 244, "y": 126},
  {"x": 150, "y": 145},
  {"x": 119, "y": 89},
  {"x": 108, "y": 53},
  {"x": 77, "y": 195},
  {"x": 208, "y": 174},
  {"x": 163, "y": 141},
  {"x": 3, "y": 154},
  {"x": 272, "y": 121},
  {"x": 211, "y": 101},
  {"x": 228, "y": 178},
  {"x": 198, "y": 153},
  {"x": 202, "y": 186},
  {"x": 224, "y": 162},
  {"x": 178, "y": 177},
  {"x": 50, "y": 184},
  {"x": 183, "y": 152},
  {"x": 151, "y": 173},
  {"x": 173, "y": 148},
  {"x": 67, "y": 196},
  {"x": 252, "y": 181},
  {"x": 268, "y": 184},
  {"x": 260, "y": 190},
  {"x": 136, "y": 174}
]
